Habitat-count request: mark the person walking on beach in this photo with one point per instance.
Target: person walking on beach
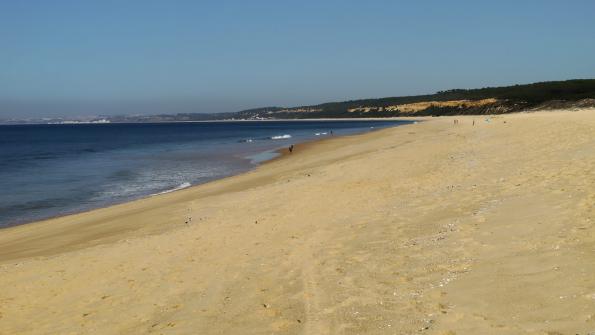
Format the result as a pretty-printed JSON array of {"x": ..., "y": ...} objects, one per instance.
[{"x": 291, "y": 148}]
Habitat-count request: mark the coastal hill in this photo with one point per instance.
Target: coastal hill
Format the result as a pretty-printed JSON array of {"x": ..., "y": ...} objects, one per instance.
[{"x": 489, "y": 100}]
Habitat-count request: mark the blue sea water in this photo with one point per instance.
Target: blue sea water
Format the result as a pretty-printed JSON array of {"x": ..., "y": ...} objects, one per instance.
[{"x": 49, "y": 170}]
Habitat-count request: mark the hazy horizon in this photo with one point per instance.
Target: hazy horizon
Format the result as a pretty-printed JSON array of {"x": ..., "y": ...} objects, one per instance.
[{"x": 76, "y": 59}]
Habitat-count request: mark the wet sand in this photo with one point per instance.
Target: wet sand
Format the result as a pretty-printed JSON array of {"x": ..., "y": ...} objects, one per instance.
[{"x": 424, "y": 228}]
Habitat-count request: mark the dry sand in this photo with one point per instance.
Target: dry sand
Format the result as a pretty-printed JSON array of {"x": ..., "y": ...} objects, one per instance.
[{"x": 427, "y": 228}]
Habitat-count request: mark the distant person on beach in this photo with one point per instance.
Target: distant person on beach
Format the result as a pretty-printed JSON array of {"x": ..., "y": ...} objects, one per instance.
[
  {"x": 291, "y": 148},
  {"x": 331, "y": 133}
]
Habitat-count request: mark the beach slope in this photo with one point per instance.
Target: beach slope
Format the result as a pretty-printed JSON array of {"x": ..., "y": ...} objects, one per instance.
[{"x": 432, "y": 228}]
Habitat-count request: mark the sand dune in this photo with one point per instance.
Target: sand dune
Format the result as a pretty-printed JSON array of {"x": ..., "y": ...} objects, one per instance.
[
  {"x": 428, "y": 228},
  {"x": 416, "y": 107}
]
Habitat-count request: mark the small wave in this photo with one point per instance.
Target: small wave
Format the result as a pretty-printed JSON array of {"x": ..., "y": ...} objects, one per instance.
[
  {"x": 318, "y": 134},
  {"x": 280, "y": 137},
  {"x": 248, "y": 140},
  {"x": 179, "y": 187}
]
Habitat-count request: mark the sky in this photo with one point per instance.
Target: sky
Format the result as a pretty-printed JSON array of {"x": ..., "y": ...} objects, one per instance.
[{"x": 71, "y": 58}]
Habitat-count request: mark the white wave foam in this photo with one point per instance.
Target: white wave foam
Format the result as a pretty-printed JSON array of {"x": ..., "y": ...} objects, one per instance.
[
  {"x": 179, "y": 187},
  {"x": 318, "y": 134},
  {"x": 280, "y": 137}
]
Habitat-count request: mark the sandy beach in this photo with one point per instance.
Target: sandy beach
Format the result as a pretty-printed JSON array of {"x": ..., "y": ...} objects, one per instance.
[{"x": 428, "y": 228}]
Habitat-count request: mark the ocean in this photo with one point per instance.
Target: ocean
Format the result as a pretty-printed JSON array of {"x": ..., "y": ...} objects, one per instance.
[{"x": 51, "y": 170}]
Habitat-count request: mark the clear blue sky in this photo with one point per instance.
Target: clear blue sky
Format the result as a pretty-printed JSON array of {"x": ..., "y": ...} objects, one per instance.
[{"x": 104, "y": 57}]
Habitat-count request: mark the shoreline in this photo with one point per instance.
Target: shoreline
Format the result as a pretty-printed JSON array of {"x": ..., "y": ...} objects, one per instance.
[
  {"x": 283, "y": 154},
  {"x": 278, "y": 152},
  {"x": 478, "y": 227}
]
